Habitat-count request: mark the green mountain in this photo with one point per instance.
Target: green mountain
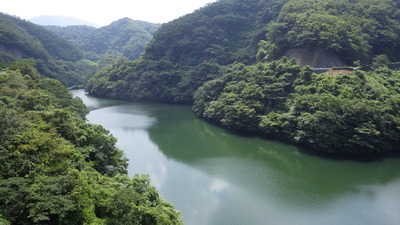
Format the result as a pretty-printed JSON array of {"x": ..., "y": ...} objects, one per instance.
[
  {"x": 55, "y": 57},
  {"x": 72, "y": 54},
  {"x": 125, "y": 37},
  {"x": 74, "y": 33},
  {"x": 189, "y": 51},
  {"x": 224, "y": 32},
  {"x": 31, "y": 40}
]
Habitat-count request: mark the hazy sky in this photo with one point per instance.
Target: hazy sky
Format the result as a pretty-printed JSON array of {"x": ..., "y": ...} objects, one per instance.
[{"x": 103, "y": 12}]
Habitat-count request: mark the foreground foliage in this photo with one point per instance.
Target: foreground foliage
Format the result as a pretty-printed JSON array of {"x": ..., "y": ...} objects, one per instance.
[
  {"x": 350, "y": 114},
  {"x": 57, "y": 169}
]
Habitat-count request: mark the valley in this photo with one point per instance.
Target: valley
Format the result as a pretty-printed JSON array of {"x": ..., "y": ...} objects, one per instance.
[{"x": 240, "y": 112}]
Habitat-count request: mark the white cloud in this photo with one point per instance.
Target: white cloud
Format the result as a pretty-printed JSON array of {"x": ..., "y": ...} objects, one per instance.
[{"x": 104, "y": 12}]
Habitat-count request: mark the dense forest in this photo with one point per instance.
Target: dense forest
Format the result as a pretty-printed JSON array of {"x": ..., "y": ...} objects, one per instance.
[
  {"x": 57, "y": 169},
  {"x": 356, "y": 29},
  {"x": 356, "y": 113}
]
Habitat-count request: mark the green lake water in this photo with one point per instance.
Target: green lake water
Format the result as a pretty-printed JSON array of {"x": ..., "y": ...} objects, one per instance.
[{"x": 215, "y": 177}]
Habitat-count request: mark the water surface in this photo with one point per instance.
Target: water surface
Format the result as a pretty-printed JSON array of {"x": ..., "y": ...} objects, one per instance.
[{"x": 218, "y": 178}]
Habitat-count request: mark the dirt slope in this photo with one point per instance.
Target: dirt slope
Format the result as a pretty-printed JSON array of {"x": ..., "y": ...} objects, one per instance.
[{"x": 318, "y": 58}]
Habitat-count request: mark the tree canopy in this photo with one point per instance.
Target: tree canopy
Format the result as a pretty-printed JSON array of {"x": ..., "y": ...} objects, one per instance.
[{"x": 348, "y": 114}]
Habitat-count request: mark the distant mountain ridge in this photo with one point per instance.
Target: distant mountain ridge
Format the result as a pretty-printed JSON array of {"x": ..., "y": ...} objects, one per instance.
[
  {"x": 63, "y": 21},
  {"x": 74, "y": 33},
  {"x": 54, "y": 56},
  {"x": 124, "y": 37},
  {"x": 34, "y": 41}
]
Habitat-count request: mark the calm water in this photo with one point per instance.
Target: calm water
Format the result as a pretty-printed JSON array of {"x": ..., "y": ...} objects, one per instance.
[{"x": 217, "y": 178}]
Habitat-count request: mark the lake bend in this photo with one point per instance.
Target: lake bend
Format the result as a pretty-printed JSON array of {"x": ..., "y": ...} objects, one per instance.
[{"x": 215, "y": 177}]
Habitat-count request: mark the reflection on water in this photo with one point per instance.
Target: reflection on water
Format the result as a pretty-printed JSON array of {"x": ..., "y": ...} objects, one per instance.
[
  {"x": 215, "y": 177},
  {"x": 94, "y": 103}
]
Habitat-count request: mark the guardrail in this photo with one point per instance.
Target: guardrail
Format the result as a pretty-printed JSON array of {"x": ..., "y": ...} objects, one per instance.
[{"x": 323, "y": 70}]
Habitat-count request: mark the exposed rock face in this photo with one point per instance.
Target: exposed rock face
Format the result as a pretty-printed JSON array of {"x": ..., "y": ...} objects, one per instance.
[{"x": 318, "y": 57}]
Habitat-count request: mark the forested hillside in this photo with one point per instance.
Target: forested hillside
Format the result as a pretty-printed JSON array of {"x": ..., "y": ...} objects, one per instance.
[
  {"x": 124, "y": 37},
  {"x": 189, "y": 51},
  {"x": 355, "y": 29},
  {"x": 57, "y": 169},
  {"x": 55, "y": 57},
  {"x": 75, "y": 34},
  {"x": 31, "y": 40},
  {"x": 72, "y": 54}
]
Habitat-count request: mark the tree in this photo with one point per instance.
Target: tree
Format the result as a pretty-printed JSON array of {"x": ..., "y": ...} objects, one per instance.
[{"x": 380, "y": 60}]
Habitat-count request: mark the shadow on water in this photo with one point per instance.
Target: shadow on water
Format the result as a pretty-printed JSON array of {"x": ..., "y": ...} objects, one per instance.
[
  {"x": 93, "y": 103},
  {"x": 182, "y": 137},
  {"x": 367, "y": 158}
]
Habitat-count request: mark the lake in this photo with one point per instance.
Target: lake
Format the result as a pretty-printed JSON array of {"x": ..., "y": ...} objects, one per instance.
[{"x": 215, "y": 177}]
